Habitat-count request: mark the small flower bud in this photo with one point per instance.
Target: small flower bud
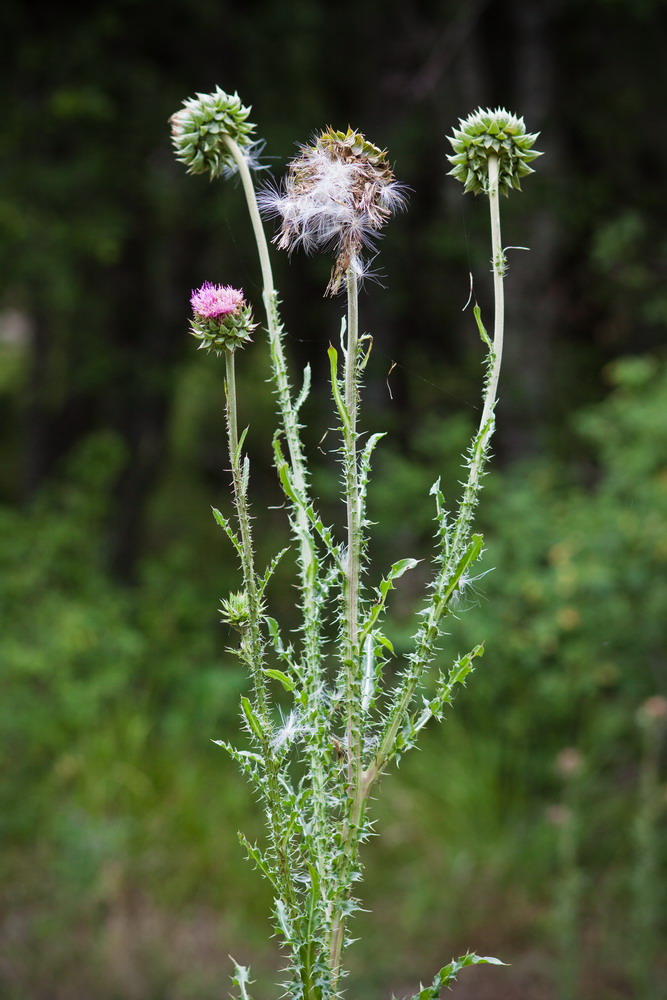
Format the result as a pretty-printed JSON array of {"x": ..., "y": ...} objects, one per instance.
[
  {"x": 235, "y": 610},
  {"x": 222, "y": 320},
  {"x": 199, "y": 128},
  {"x": 483, "y": 133}
]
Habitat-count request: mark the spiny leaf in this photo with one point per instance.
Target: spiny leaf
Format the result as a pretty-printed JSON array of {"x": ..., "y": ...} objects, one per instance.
[
  {"x": 299, "y": 501},
  {"x": 239, "y": 446},
  {"x": 448, "y": 974},
  {"x": 278, "y": 675},
  {"x": 305, "y": 389},
  {"x": 260, "y": 861},
  {"x": 252, "y": 765},
  {"x": 254, "y": 725},
  {"x": 477, "y": 312},
  {"x": 338, "y": 399},
  {"x": 270, "y": 570},
  {"x": 229, "y": 531},
  {"x": 387, "y": 584},
  {"x": 241, "y": 978}
]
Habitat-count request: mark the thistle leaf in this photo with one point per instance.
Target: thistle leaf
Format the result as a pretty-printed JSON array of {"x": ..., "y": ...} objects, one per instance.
[
  {"x": 387, "y": 584},
  {"x": 270, "y": 570},
  {"x": 278, "y": 675},
  {"x": 255, "y": 855},
  {"x": 229, "y": 531},
  {"x": 448, "y": 974},
  {"x": 305, "y": 390},
  {"x": 477, "y": 312},
  {"x": 338, "y": 399},
  {"x": 241, "y": 979},
  {"x": 254, "y": 725}
]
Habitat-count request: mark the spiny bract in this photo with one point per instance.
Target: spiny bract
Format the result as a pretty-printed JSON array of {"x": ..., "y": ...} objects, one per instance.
[
  {"x": 199, "y": 128},
  {"x": 222, "y": 320},
  {"x": 485, "y": 132}
]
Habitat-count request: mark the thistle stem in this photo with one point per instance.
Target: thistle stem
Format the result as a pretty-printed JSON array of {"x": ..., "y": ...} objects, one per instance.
[
  {"x": 239, "y": 481},
  {"x": 487, "y": 421},
  {"x": 442, "y": 588},
  {"x": 318, "y": 747},
  {"x": 255, "y": 218},
  {"x": 286, "y": 405},
  {"x": 351, "y": 654},
  {"x": 290, "y": 425},
  {"x": 353, "y": 526},
  {"x": 254, "y": 646}
]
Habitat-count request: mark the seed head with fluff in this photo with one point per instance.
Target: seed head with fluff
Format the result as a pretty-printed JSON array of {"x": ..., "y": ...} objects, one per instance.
[{"x": 338, "y": 193}]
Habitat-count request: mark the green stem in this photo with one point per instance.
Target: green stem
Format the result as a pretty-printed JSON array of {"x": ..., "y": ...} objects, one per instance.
[
  {"x": 288, "y": 416},
  {"x": 353, "y": 527},
  {"x": 351, "y": 652},
  {"x": 255, "y": 646},
  {"x": 318, "y": 747},
  {"x": 308, "y": 557},
  {"x": 274, "y": 326},
  {"x": 438, "y": 605},
  {"x": 487, "y": 421},
  {"x": 255, "y": 217}
]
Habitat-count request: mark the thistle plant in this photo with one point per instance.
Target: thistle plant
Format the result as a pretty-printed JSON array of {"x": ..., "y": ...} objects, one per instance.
[{"x": 315, "y": 762}]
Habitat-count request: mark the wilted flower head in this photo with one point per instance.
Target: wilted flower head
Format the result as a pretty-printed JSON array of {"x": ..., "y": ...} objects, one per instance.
[
  {"x": 198, "y": 131},
  {"x": 222, "y": 320},
  {"x": 338, "y": 193},
  {"x": 485, "y": 132}
]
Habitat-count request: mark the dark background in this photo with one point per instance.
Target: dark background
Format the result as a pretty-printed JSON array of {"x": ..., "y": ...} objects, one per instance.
[{"x": 122, "y": 877}]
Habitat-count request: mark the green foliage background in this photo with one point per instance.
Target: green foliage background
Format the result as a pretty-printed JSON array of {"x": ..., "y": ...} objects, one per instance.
[{"x": 120, "y": 873}]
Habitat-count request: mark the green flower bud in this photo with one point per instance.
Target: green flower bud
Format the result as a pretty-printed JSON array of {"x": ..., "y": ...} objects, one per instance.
[
  {"x": 235, "y": 610},
  {"x": 483, "y": 133},
  {"x": 199, "y": 128}
]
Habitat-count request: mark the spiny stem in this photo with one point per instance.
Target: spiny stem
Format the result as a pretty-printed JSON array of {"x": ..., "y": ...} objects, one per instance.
[
  {"x": 307, "y": 549},
  {"x": 255, "y": 645},
  {"x": 353, "y": 526},
  {"x": 487, "y": 421},
  {"x": 351, "y": 652},
  {"x": 290, "y": 425},
  {"x": 438, "y": 606},
  {"x": 247, "y": 557},
  {"x": 288, "y": 417}
]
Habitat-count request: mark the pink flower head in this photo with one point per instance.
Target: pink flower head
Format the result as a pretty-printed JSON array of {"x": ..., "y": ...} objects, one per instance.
[{"x": 215, "y": 301}]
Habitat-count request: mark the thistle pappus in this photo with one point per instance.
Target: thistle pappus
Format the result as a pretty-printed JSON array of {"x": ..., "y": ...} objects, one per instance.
[{"x": 338, "y": 193}]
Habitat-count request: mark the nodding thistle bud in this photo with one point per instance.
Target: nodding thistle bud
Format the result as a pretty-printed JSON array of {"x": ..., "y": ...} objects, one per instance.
[
  {"x": 483, "y": 133},
  {"x": 198, "y": 132},
  {"x": 338, "y": 193},
  {"x": 235, "y": 609},
  {"x": 222, "y": 320}
]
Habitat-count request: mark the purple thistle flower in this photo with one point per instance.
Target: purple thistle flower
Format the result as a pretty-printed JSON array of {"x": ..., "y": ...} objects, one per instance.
[
  {"x": 222, "y": 319},
  {"x": 215, "y": 301}
]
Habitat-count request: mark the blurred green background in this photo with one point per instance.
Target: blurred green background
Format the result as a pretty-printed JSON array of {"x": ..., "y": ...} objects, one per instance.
[{"x": 531, "y": 825}]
